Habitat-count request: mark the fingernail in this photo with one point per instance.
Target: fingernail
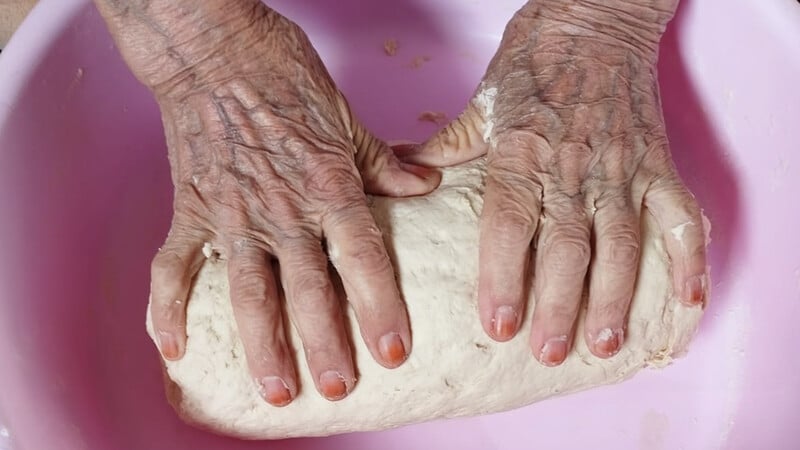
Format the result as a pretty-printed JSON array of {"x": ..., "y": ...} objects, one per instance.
[
  {"x": 504, "y": 323},
  {"x": 392, "y": 349},
  {"x": 554, "y": 351},
  {"x": 332, "y": 385},
  {"x": 608, "y": 341},
  {"x": 168, "y": 345},
  {"x": 275, "y": 391},
  {"x": 694, "y": 290}
]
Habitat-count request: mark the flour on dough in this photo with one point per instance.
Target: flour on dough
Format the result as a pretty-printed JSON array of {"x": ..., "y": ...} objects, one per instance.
[{"x": 455, "y": 369}]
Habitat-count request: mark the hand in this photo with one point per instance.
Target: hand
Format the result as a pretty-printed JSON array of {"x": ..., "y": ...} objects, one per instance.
[
  {"x": 569, "y": 116},
  {"x": 267, "y": 161}
]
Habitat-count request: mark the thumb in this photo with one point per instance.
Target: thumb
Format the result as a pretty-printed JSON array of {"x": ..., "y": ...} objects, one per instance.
[
  {"x": 460, "y": 141},
  {"x": 384, "y": 174}
]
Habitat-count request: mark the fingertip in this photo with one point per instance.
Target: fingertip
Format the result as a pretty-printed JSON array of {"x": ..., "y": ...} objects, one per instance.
[
  {"x": 553, "y": 352},
  {"x": 172, "y": 270},
  {"x": 506, "y": 231},
  {"x": 687, "y": 254},
  {"x": 169, "y": 323},
  {"x": 275, "y": 390},
  {"x": 693, "y": 290},
  {"x": 275, "y": 381},
  {"x": 170, "y": 346},
  {"x": 334, "y": 386},
  {"x": 686, "y": 235},
  {"x": 316, "y": 312},
  {"x": 393, "y": 351},
  {"x": 606, "y": 342},
  {"x": 370, "y": 284},
  {"x": 503, "y": 324}
]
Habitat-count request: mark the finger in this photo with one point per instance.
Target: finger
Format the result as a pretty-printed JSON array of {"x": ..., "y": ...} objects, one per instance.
[
  {"x": 562, "y": 258},
  {"x": 462, "y": 140},
  {"x": 317, "y": 316},
  {"x": 681, "y": 221},
  {"x": 383, "y": 174},
  {"x": 613, "y": 273},
  {"x": 508, "y": 223},
  {"x": 257, "y": 309},
  {"x": 356, "y": 249},
  {"x": 172, "y": 271}
]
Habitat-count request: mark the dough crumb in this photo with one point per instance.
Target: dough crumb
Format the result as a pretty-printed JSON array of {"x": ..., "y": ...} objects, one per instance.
[
  {"x": 437, "y": 117},
  {"x": 680, "y": 229},
  {"x": 208, "y": 250},
  {"x": 76, "y": 80},
  {"x": 390, "y": 47},
  {"x": 418, "y": 61}
]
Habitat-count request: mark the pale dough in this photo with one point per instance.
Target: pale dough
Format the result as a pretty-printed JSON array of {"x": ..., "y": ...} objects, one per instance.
[{"x": 455, "y": 369}]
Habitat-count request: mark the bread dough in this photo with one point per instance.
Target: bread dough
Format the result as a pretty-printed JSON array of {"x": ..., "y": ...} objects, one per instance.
[{"x": 455, "y": 369}]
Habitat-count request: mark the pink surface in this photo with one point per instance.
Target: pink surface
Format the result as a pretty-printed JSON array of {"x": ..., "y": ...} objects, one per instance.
[{"x": 85, "y": 201}]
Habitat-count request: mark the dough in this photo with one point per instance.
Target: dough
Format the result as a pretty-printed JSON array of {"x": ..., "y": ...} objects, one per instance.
[{"x": 455, "y": 369}]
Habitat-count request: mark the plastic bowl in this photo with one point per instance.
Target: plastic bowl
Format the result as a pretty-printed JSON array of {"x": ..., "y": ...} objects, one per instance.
[{"x": 85, "y": 199}]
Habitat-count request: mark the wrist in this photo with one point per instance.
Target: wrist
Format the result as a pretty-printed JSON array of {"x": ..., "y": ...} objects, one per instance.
[
  {"x": 638, "y": 24},
  {"x": 175, "y": 47}
]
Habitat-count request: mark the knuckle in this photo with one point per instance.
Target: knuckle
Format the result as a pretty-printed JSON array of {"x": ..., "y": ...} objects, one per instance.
[
  {"x": 370, "y": 252},
  {"x": 310, "y": 289},
  {"x": 349, "y": 210},
  {"x": 568, "y": 252},
  {"x": 167, "y": 267},
  {"x": 558, "y": 312},
  {"x": 248, "y": 274},
  {"x": 283, "y": 206},
  {"x": 369, "y": 255},
  {"x": 169, "y": 315},
  {"x": 658, "y": 157},
  {"x": 619, "y": 251},
  {"x": 515, "y": 176},
  {"x": 682, "y": 200},
  {"x": 331, "y": 177},
  {"x": 372, "y": 158},
  {"x": 608, "y": 309},
  {"x": 248, "y": 295},
  {"x": 693, "y": 209},
  {"x": 698, "y": 252},
  {"x": 565, "y": 207},
  {"x": 669, "y": 193},
  {"x": 511, "y": 164},
  {"x": 512, "y": 226},
  {"x": 518, "y": 138},
  {"x": 248, "y": 282},
  {"x": 261, "y": 339},
  {"x": 612, "y": 196},
  {"x": 247, "y": 300}
]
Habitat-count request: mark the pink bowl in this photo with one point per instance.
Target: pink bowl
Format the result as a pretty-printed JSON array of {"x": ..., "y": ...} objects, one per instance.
[{"x": 85, "y": 200}]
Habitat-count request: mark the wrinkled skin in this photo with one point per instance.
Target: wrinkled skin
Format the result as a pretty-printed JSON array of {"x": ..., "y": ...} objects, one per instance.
[
  {"x": 569, "y": 117},
  {"x": 267, "y": 162},
  {"x": 269, "y": 165}
]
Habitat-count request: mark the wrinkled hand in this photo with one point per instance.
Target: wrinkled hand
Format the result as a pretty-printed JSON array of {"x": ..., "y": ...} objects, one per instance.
[
  {"x": 569, "y": 116},
  {"x": 267, "y": 162}
]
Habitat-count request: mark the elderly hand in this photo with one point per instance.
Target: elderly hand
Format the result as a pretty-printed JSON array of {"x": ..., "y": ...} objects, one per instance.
[
  {"x": 569, "y": 116},
  {"x": 268, "y": 163}
]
